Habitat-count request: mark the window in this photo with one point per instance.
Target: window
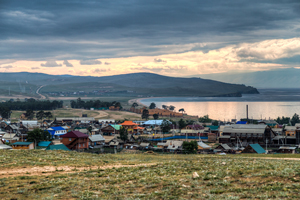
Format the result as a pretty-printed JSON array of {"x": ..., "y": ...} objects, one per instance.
[
  {"x": 83, "y": 145},
  {"x": 79, "y": 145},
  {"x": 70, "y": 139}
]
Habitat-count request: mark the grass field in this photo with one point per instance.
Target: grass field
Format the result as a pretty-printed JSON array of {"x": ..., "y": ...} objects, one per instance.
[{"x": 144, "y": 176}]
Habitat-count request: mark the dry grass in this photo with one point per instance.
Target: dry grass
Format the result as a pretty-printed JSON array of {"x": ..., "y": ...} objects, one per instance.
[{"x": 220, "y": 177}]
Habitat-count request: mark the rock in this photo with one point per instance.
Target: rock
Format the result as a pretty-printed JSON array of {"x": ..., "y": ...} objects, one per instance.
[
  {"x": 195, "y": 175},
  {"x": 223, "y": 163}
]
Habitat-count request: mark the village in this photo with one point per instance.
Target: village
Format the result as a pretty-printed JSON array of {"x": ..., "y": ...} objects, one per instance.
[{"x": 87, "y": 134}]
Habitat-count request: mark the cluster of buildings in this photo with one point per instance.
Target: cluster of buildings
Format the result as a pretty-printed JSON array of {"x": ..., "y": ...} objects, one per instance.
[{"x": 83, "y": 133}]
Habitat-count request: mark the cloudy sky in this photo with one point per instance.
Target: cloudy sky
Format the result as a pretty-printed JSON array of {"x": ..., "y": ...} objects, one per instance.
[{"x": 175, "y": 38}]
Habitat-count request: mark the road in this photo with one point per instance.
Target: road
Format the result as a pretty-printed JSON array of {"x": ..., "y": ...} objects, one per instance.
[{"x": 37, "y": 92}]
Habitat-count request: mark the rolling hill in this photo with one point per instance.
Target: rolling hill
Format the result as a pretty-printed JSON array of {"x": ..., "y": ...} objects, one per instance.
[{"x": 137, "y": 84}]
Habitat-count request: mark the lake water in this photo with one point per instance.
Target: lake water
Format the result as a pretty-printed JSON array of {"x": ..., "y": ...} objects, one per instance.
[{"x": 270, "y": 103}]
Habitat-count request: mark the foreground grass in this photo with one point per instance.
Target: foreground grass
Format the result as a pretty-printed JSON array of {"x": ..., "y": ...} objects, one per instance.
[{"x": 228, "y": 177}]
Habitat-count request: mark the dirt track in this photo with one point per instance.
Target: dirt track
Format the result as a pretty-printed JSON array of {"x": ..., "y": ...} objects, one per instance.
[{"x": 49, "y": 170}]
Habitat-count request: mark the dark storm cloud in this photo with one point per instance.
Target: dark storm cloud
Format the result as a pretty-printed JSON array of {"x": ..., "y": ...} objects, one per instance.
[
  {"x": 106, "y": 63},
  {"x": 7, "y": 67},
  {"x": 158, "y": 60},
  {"x": 90, "y": 62},
  {"x": 83, "y": 30},
  {"x": 67, "y": 63},
  {"x": 100, "y": 70},
  {"x": 51, "y": 63}
]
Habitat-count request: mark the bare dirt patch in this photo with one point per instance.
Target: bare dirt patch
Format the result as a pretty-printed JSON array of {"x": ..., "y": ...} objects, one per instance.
[{"x": 37, "y": 171}]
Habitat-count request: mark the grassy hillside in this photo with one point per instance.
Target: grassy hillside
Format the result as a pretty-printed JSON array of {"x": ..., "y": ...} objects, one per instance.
[
  {"x": 133, "y": 85},
  {"x": 38, "y": 174}
]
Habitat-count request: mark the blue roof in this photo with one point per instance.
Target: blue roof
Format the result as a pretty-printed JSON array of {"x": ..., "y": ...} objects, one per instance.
[
  {"x": 241, "y": 122},
  {"x": 22, "y": 143},
  {"x": 59, "y": 128},
  {"x": 44, "y": 143},
  {"x": 155, "y": 122},
  {"x": 257, "y": 148},
  {"x": 58, "y": 147}
]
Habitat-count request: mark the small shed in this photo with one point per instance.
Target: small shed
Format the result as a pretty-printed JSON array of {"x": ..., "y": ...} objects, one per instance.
[
  {"x": 97, "y": 141},
  {"x": 202, "y": 146},
  {"x": 287, "y": 150},
  {"x": 145, "y": 145},
  {"x": 254, "y": 148},
  {"x": 58, "y": 147}
]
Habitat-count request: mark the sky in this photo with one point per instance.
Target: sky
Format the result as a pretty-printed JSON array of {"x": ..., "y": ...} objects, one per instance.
[{"x": 174, "y": 38}]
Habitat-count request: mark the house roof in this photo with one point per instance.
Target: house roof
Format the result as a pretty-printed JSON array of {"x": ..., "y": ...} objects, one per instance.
[
  {"x": 140, "y": 128},
  {"x": 289, "y": 148},
  {"x": 96, "y": 138},
  {"x": 224, "y": 146},
  {"x": 8, "y": 136},
  {"x": 143, "y": 144},
  {"x": 58, "y": 147},
  {"x": 44, "y": 143},
  {"x": 245, "y": 128},
  {"x": 4, "y": 146},
  {"x": 154, "y": 122},
  {"x": 58, "y": 128},
  {"x": 203, "y": 145},
  {"x": 213, "y": 128},
  {"x": 128, "y": 123},
  {"x": 22, "y": 143},
  {"x": 117, "y": 127},
  {"x": 74, "y": 134},
  {"x": 241, "y": 122},
  {"x": 257, "y": 148}
]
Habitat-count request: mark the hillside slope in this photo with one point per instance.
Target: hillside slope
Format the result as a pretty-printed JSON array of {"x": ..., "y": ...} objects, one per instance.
[{"x": 138, "y": 84}]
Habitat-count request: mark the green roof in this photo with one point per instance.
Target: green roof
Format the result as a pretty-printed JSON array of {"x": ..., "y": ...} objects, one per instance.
[
  {"x": 213, "y": 128},
  {"x": 22, "y": 143},
  {"x": 257, "y": 148},
  {"x": 58, "y": 147},
  {"x": 117, "y": 127}
]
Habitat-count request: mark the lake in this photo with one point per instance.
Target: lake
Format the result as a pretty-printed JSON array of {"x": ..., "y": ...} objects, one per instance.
[{"x": 270, "y": 103}]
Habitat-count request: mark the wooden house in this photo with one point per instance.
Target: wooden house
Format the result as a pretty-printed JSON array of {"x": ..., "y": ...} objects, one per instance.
[
  {"x": 111, "y": 129},
  {"x": 223, "y": 148},
  {"x": 129, "y": 126},
  {"x": 96, "y": 141},
  {"x": 23, "y": 145},
  {"x": 173, "y": 145},
  {"x": 75, "y": 140}
]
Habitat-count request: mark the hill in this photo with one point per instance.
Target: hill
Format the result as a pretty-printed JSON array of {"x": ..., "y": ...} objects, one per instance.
[
  {"x": 137, "y": 84},
  {"x": 279, "y": 78}
]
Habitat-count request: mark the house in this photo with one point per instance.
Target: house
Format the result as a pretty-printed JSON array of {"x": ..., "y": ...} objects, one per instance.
[
  {"x": 57, "y": 147},
  {"x": 246, "y": 133},
  {"x": 11, "y": 128},
  {"x": 222, "y": 148},
  {"x": 129, "y": 126},
  {"x": 116, "y": 143},
  {"x": 96, "y": 141},
  {"x": 212, "y": 137},
  {"x": 111, "y": 129},
  {"x": 75, "y": 140},
  {"x": 106, "y": 121},
  {"x": 144, "y": 145},
  {"x": 10, "y": 137},
  {"x": 254, "y": 148},
  {"x": 56, "y": 132},
  {"x": 23, "y": 145},
  {"x": 131, "y": 146},
  {"x": 287, "y": 150},
  {"x": 173, "y": 145},
  {"x": 44, "y": 144}
]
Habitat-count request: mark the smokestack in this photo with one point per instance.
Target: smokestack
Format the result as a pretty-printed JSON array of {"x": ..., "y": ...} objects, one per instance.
[{"x": 247, "y": 111}]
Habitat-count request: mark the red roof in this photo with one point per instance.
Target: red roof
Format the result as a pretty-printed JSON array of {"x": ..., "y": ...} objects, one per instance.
[
  {"x": 74, "y": 134},
  {"x": 128, "y": 123}
]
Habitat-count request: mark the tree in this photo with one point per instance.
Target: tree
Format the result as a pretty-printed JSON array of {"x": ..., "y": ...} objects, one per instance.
[
  {"x": 145, "y": 114},
  {"x": 205, "y": 119},
  {"x": 181, "y": 124},
  {"x": 181, "y": 110},
  {"x": 48, "y": 115},
  {"x": 295, "y": 119},
  {"x": 283, "y": 120},
  {"x": 40, "y": 115},
  {"x": 29, "y": 114},
  {"x": 123, "y": 134},
  {"x": 135, "y": 105},
  {"x": 155, "y": 116},
  {"x": 38, "y": 135},
  {"x": 215, "y": 123},
  {"x": 171, "y": 107},
  {"x": 152, "y": 105},
  {"x": 165, "y": 126},
  {"x": 165, "y": 107},
  {"x": 190, "y": 147}
]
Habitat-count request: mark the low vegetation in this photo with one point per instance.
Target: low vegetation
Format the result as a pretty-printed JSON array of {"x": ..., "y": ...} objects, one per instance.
[{"x": 169, "y": 176}]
